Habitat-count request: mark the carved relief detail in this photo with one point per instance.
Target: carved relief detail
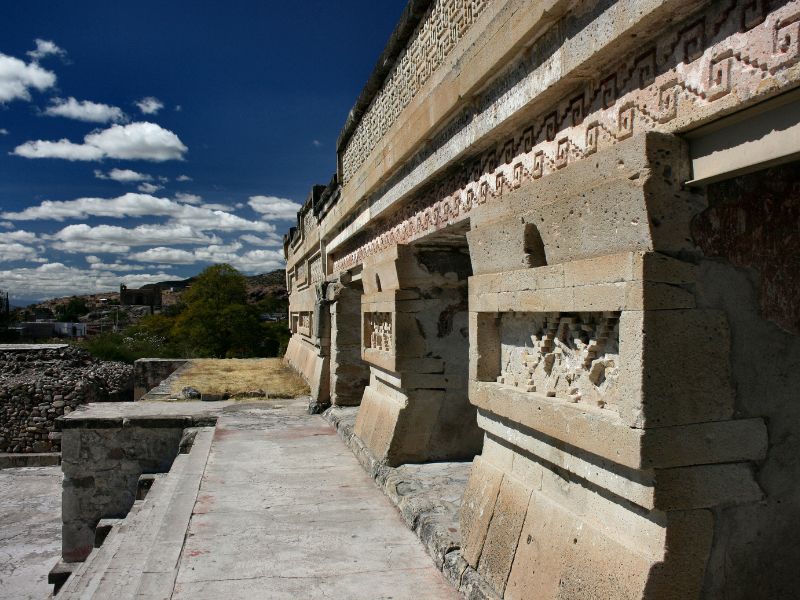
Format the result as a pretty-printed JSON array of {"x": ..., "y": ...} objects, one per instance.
[
  {"x": 437, "y": 34},
  {"x": 689, "y": 68},
  {"x": 300, "y": 322},
  {"x": 315, "y": 269},
  {"x": 378, "y": 331},
  {"x": 573, "y": 356}
]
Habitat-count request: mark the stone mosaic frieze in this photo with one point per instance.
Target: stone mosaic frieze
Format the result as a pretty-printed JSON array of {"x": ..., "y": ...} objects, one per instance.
[
  {"x": 571, "y": 356},
  {"x": 437, "y": 34},
  {"x": 740, "y": 48},
  {"x": 378, "y": 331}
]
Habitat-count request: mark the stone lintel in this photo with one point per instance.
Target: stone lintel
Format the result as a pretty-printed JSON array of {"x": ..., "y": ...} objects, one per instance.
[{"x": 626, "y": 281}]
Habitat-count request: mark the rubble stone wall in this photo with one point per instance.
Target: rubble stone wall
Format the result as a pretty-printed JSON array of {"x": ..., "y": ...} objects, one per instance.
[{"x": 39, "y": 385}]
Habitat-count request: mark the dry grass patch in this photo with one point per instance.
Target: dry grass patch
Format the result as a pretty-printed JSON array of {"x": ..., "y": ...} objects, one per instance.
[{"x": 238, "y": 377}]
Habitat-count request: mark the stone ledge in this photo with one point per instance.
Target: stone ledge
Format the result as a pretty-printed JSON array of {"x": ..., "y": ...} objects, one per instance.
[
  {"x": 428, "y": 497},
  {"x": 602, "y": 433},
  {"x": 30, "y": 347},
  {"x": 151, "y": 415},
  {"x": 32, "y": 459}
]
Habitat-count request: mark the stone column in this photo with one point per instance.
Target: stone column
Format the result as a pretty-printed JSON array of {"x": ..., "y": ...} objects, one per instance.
[{"x": 414, "y": 337}]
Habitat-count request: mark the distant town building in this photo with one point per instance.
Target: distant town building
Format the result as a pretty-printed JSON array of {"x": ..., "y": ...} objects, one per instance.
[
  {"x": 49, "y": 329},
  {"x": 274, "y": 316},
  {"x": 149, "y": 296},
  {"x": 70, "y": 329}
]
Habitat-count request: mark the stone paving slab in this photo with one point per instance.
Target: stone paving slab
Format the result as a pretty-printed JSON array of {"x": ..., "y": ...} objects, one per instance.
[
  {"x": 286, "y": 511},
  {"x": 30, "y": 530},
  {"x": 428, "y": 497}
]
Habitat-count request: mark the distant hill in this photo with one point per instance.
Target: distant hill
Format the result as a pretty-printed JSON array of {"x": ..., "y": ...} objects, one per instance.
[
  {"x": 258, "y": 286},
  {"x": 272, "y": 284}
]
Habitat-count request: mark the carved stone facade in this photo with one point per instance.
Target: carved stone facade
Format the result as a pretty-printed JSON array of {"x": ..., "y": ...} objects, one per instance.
[
  {"x": 444, "y": 24},
  {"x": 545, "y": 278},
  {"x": 696, "y": 65}
]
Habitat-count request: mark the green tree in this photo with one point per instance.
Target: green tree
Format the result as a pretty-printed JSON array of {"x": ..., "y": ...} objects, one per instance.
[{"x": 216, "y": 320}]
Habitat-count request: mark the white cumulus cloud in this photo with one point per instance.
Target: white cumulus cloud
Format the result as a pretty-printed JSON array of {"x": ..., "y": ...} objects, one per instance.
[
  {"x": 14, "y": 251},
  {"x": 268, "y": 240},
  {"x": 188, "y": 198},
  {"x": 253, "y": 261},
  {"x": 17, "y": 78},
  {"x": 273, "y": 207},
  {"x": 56, "y": 279},
  {"x": 45, "y": 48},
  {"x": 3, "y": 131},
  {"x": 135, "y": 141},
  {"x": 148, "y": 188},
  {"x": 96, "y": 263},
  {"x": 127, "y": 205},
  {"x": 83, "y": 238},
  {"x": 84, "y": 110},
  {"x": 139, "y": 205},
  {"x": 123, "y": 175},
  {"x": 212, "y": 206},
  {"x": 149, "y": 105},
  {"x": 17, "y": 236},
  {"x": 162, "y": 254},
  {"x": 259, "y": 261}
]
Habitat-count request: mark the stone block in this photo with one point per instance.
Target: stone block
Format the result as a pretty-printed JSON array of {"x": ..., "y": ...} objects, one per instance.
[
  {"x": 477, "y": 508},
  {"x": 705, "y": 443},
  {"x": 497, "y": 453},
  {"x": 521, "y": 443},
  {"x": 376, "y": 422},
  {"x": 504, "y": 532},
  {"x": 503, "y": 246},
  {"x": 706, "y": 486},
  {"x": 561, "y": 556},
  {"x": 675, "y": 367},
  {"x": 484, "y": 346}
]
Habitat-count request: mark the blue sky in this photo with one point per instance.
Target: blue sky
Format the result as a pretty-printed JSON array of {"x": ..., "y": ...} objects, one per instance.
[{"x": 142, "y": 141}]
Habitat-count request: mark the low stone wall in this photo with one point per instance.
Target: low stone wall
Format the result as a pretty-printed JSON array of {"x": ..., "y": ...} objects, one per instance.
[
  {"x": 149, "y": 372},
  {"x": 106, "y": 448},
  {"x": 39, "y": 384}
]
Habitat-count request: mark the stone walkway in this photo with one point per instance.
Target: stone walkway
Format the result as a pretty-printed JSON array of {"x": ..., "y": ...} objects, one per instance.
[
  {"x": 285, "y": 511},
  {"x": 30, "y": 530}
]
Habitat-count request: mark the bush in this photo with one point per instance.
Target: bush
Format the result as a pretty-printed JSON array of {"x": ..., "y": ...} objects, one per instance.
[{"x": 128, "y": 346}]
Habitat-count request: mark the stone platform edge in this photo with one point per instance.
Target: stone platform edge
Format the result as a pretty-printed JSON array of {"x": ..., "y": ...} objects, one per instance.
[
  {"x": 15, "y": 460},
  {"x": 443, "y": 547}
]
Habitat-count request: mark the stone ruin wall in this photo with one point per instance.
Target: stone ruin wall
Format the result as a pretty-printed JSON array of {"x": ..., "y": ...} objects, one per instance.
[
  {"x": 39, "y": 385},
  {"x": 516, "y": 253}
]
